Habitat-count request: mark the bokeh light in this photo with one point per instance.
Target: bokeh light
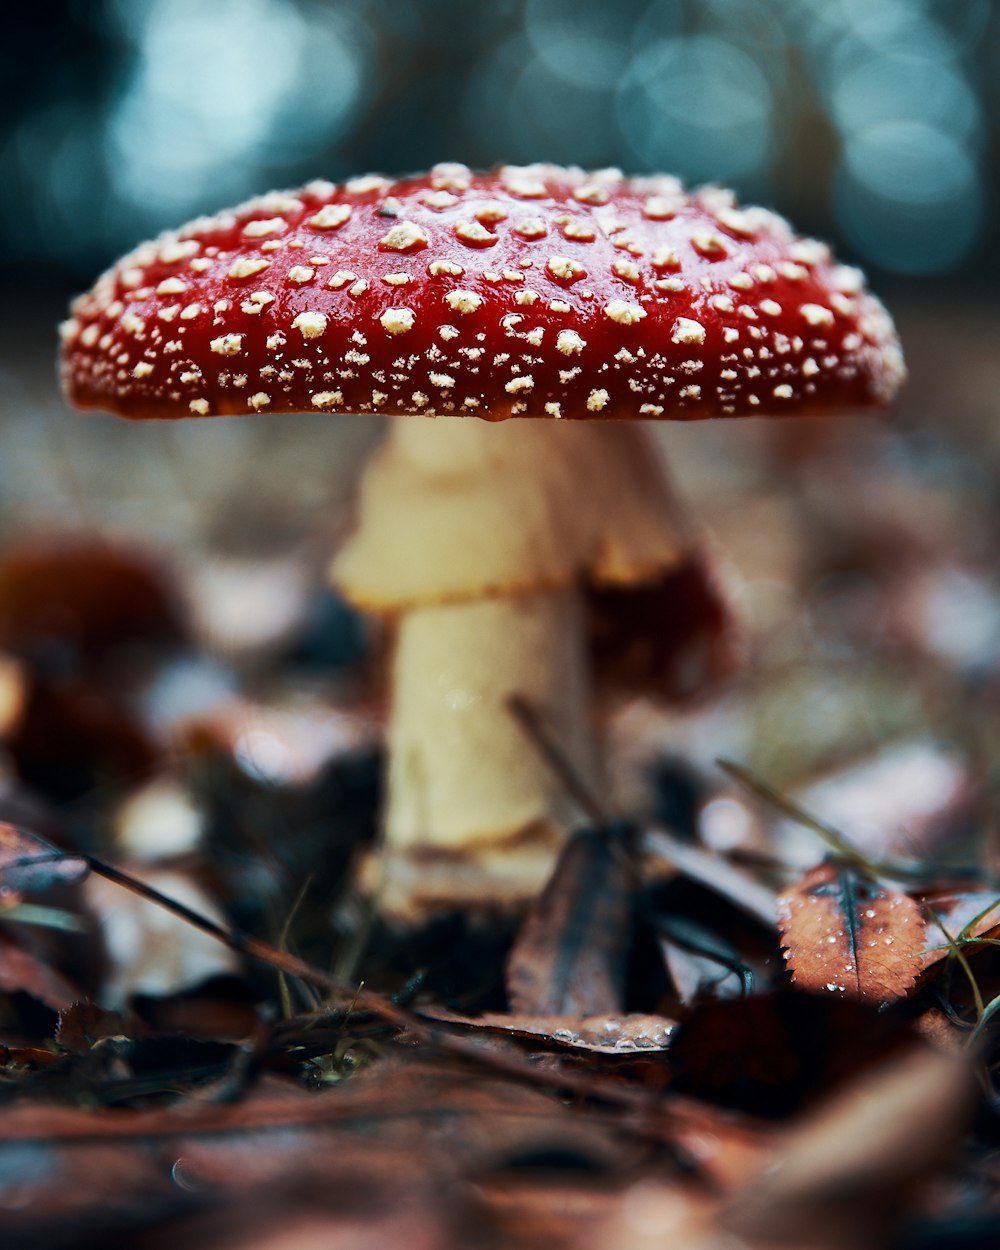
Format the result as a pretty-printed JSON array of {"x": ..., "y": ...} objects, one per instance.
[
  {"x": 543, "y": 116},
  {"x": 582, "y": 44},
  {"x": 909, "y": 191},
  {"x": 873, "y": 123},
  {"x": 698, "y": 106},
  {"x": 220, "y": 93},
  {"x": 909, "y": 195}
]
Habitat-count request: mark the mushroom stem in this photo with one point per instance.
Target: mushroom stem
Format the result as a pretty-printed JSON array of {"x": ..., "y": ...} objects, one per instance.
[
  {"x": 463, "y": 772},
  {"x": 474, "y": 811},
  {"x": 476, "y": 540}
]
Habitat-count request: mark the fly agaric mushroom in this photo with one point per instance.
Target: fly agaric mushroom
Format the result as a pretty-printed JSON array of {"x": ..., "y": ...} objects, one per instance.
[{"x": 537, "y": 292}]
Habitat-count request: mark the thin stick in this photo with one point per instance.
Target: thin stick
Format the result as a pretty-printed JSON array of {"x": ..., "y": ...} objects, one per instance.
[
  {"x": 235, "y": 939},
  {"x": 531, "y": 722},
  {"x": 502, "y": 1058},
  {"x": 850, "y": 854}
]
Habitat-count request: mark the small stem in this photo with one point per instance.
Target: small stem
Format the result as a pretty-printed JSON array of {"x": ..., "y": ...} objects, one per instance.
[{"x": 531, "y": 722}]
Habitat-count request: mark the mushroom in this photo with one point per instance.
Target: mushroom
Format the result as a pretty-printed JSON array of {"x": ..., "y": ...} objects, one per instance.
[{"x": 537, "y": 292}]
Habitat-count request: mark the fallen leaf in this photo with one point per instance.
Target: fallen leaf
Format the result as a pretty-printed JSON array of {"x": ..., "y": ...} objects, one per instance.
[
  {"x": 22, "y": 971},
  {"x": 29, "y": 865},
  {"x": 839, "y": 1179},
  {"x": 609, "y": 1035},
  {"x": 770, "y": 1055},
  {"x": 714, "y": 872},
  {"x": 546, "y": 1210},
  {"x": 570, "y": 953},
  {"x": 427, "y": 1130},
  {"x": 84, "y": 1023},
  {"x": 282, "y": 1222},
  {"x": 846, "y": 933},
  {"x": 844, "y": 1176}
]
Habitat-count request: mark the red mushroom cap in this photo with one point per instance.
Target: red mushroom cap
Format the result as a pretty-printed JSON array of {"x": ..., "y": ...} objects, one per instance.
[{"x": 535, "y": 291}]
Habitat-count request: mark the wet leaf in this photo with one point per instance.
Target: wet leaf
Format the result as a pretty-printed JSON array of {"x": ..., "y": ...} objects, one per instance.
[
  {"x": 570, "y": 953},
  {"x": 610, "y": 1034},
  {"x": 29, "y": 865},
  {"x": 84, "y": 1023},
  {"x": 842, "y": 1175},
  {"x": 845, "y": 933},
  {"x": 22, "y": 971}
]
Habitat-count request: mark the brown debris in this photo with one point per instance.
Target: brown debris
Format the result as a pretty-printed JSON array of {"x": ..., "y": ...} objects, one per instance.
[
  {"x": 29, "y": 864},
  {"x": 630, "y": 1033},
  {"x": 847, "y": 934},
  {"x": 569, "y": 955}
]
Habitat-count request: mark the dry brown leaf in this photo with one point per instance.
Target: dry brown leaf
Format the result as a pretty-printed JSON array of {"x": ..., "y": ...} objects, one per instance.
[
  {"x": 627, "y": 1034},
  {"x": 28, "y": 864},
  {"x": 286, "y": 1222},
  {"x": 841, "y": 1178},
  {"x": 569, "y": 955},
  {"x": 848, "y": 934},
  {"x": 21, "y": 970},
  {"x": 400, "y": 1129},
  {"x": 84, "y": 1024},
  {"x": 540, "y": 1211}
]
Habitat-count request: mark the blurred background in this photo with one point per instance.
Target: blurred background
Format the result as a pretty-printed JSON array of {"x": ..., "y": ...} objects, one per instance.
[
  {"x": 872, "y": 122},
  {"x": 860, "y": 556}
]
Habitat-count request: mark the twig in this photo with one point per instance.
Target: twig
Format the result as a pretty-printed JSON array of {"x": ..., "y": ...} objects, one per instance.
[
  {"x": 530, "y": 720},
  {"x": 502, "y": 1058},
  {"x": 845, "y": 850}
]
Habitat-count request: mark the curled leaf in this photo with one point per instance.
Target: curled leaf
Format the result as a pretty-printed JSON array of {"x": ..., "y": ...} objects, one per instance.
[
  {"x": 844, "y": 932},
  {"x": 569, "y": 957},
  {"x": 29, "y": 864}
]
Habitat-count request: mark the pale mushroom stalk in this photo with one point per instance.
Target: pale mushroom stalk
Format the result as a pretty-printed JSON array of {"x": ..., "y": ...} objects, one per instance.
[
  {"x": 469, "y": 800},
  {"x": 462, "y": 772},
  {"x": 475, "y": 540}
]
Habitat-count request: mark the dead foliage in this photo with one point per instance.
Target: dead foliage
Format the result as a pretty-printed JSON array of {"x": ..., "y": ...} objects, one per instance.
[
  {"x": 844, "y": 932},
  {"x": 755, "y": 1008}
]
